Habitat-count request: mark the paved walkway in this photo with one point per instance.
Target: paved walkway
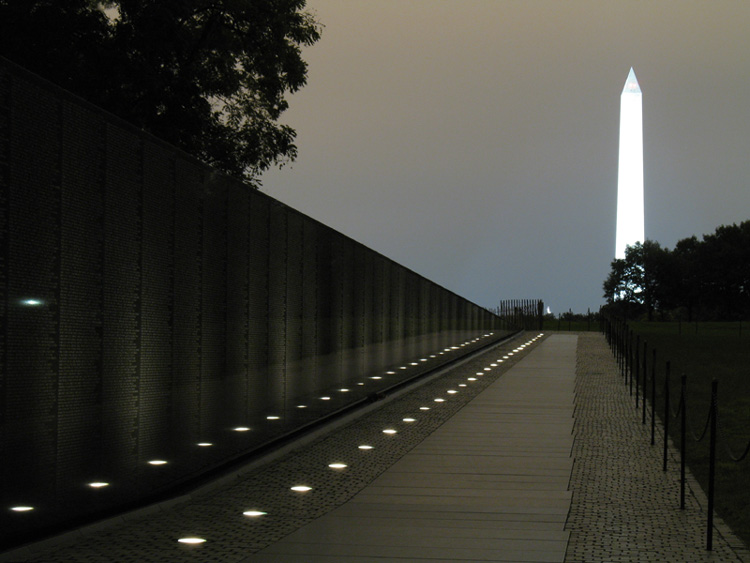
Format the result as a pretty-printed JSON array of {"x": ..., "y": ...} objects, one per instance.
[
  {"x": 479, "y": 469},
  {"x": 491, "y": 484},
  {"x": 624, "y": 507}
]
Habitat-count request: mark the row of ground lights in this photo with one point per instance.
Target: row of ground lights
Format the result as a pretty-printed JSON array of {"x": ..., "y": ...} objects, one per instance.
[
  {"x": 499, "y": 361},
  {"x": 407, "y": 366},
  {"x": 161, "y": 462},
  {"x": 390, "y": 431},
  {"x": 337, "y": 466}
]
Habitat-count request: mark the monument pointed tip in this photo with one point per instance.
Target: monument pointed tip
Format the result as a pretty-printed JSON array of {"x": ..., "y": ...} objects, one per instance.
[{"x": 631, "y": 84}]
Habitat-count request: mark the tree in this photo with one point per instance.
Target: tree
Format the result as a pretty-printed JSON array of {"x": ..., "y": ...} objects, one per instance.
[
  {"x": 636, "y": 281},
  {"x": 686, "y": 282},
  {"x": 723, "y": 262},
  {"x": 709, "y": 278},
  {"x": 209, "y": 76}
]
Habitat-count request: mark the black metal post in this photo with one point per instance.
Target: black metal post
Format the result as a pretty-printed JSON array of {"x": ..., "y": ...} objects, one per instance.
[
  {"x": 667, "y": 415},
  {"x": 635, "y": 366},
  {"x": 712, "y": 466},
  {"x": 683, "y": 425},
  {"x": 631, "y": 355},
  {"x": 653, "y": 396},
  {"x": 630, "y": 358},
  {"x": 645, "y": 382}
]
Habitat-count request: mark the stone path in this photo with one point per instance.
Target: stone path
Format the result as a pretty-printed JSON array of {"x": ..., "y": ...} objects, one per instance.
[
  {"x": 624, "y": 507},
  {"x": 491, "y": 484}
]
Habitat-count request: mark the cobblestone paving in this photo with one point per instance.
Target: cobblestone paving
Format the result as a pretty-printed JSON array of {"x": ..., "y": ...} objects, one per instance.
[
  {"x": 218, "y": 517},
  {"x": 624, "y": 507}
]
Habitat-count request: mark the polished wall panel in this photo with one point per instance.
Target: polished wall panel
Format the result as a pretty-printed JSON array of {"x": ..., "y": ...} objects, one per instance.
[{"x": 153, "y": 310}]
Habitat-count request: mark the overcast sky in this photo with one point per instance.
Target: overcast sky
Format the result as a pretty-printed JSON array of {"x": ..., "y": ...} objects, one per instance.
[{"x": 475, "y": 141}]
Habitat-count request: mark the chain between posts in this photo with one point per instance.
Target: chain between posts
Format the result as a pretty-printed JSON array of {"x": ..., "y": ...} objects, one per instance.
[
  {"x": 620, "y": 338},
  {"x": 730, "y": 454}
]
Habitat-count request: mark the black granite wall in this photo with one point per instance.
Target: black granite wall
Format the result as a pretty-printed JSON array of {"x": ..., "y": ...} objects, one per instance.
[{"x": 149, "y": 304}]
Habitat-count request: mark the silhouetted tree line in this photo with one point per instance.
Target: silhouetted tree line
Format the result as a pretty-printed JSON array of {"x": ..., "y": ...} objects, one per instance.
[
  {"x": 706, "y": 279},
  {"x": 209, "y": 76}
]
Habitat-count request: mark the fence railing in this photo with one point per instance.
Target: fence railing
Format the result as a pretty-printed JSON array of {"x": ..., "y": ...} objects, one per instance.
[
  {"x": 526, "y": 314},
  {"x": 632, "y": 357}
]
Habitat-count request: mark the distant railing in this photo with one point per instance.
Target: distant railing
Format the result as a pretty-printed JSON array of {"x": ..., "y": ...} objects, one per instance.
[
  {"x": 632, "y": 358},
  {"x": 525, "y": 314}
]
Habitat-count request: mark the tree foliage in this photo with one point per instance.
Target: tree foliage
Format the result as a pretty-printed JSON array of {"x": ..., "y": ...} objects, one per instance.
[
  {"x": 707, "y": 279},
  {"x": 209, "y": 76}
]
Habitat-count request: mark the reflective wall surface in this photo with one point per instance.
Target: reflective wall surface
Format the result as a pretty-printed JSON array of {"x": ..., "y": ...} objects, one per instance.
[{"x": 160, "y": 320}]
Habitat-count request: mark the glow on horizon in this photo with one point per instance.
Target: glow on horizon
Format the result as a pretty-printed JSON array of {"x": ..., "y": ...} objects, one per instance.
[{"x": 630, "y": 212}]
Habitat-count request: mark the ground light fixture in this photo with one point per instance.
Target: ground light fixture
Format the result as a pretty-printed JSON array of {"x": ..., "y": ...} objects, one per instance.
[
  {"x": 410, "y": 420},
  {"x": 389, "y": 431},
  {"x": 273, "y": 417},
  {"x": 365, "y": 447},
  {"x": 192, "y": 541},
  {"x": 439, "y": 400},
  {"x": 254, "y": 513},
  {"x": 204, "y": 444},
  {"x": 301, "y": 488},
  {"x": 157, "y": 462},
  {"x": 22, "y": 508},
  {"x": 338, "y": 465},
  {"x": 98, "y": 484},
  {"x": 424, "y": 408}
]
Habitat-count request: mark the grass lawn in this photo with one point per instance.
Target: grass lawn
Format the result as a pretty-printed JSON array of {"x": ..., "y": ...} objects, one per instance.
[{"x": 703, "y": 351}]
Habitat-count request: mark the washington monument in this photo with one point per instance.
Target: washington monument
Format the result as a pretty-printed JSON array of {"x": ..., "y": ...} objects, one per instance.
[{"x": 630, "y": 223}]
